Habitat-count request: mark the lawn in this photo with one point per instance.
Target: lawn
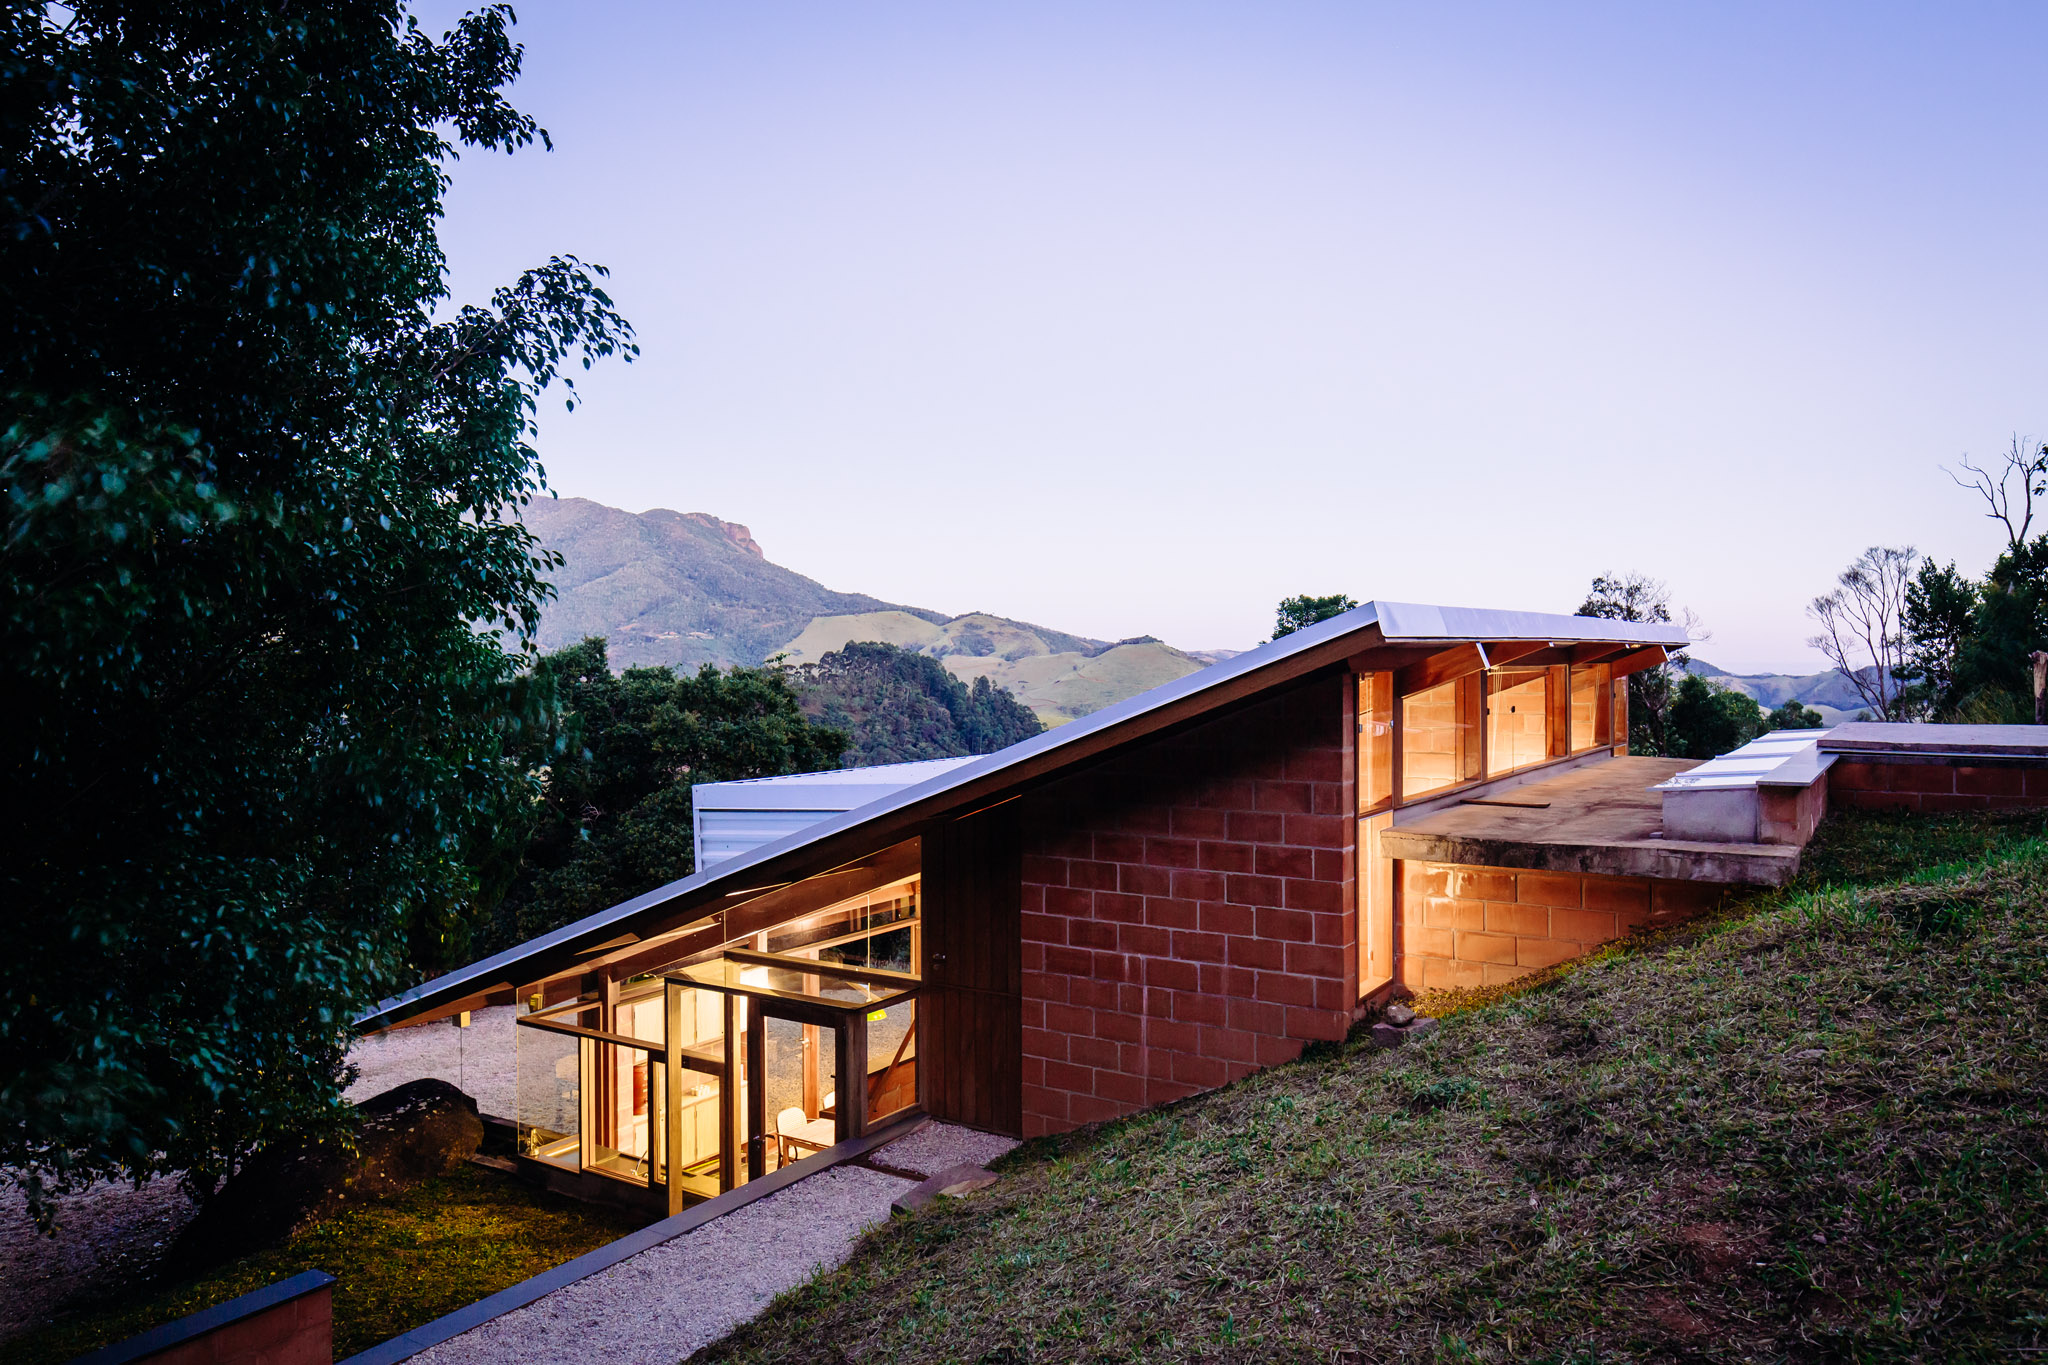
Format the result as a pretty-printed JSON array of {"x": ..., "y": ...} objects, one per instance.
[
  {"x": 1811, "y": 1129},
  {"x": 397, "y": 1263}
]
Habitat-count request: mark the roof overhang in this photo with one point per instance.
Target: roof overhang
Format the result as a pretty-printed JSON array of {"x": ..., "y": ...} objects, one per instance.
[{"x": 1375, "y": 635}]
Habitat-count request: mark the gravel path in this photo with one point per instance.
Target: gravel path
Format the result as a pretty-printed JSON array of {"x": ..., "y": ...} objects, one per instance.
[
  {"x": 479, "y": 1060},
  {"x": 106, "y": 1236},
  {"x": 658, "y": 1307}
]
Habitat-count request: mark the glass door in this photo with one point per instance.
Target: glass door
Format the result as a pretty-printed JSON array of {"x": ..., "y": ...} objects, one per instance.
[{"x": 793, "y": 1100}]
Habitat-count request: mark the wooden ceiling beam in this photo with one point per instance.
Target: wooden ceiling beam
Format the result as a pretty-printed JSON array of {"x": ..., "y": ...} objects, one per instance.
[{"x": 1636, "y": 660}]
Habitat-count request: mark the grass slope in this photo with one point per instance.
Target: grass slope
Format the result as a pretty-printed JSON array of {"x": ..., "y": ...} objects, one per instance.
[
  {"x": 1810, "y": 1130},
  {"x": 397, "y": 1263}
]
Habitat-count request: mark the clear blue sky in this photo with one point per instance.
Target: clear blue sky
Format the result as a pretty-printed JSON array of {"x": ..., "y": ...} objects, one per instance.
[{"x": 1129, "y": 318}]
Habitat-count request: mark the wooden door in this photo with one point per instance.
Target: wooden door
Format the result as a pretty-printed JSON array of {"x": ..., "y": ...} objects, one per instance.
[{"x": 970, "y": 1016}]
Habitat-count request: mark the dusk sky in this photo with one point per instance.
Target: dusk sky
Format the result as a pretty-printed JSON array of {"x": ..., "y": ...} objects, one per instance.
[{"x": 1132, "y": 319}]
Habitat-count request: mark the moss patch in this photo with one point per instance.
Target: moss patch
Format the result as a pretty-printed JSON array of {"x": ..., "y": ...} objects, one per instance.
[
  {"x": 397, "y": 1264},
  {"x": 1809, "y": 1129}
]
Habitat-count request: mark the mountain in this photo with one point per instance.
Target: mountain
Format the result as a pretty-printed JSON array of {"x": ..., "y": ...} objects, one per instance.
[
  {"x": 686, "y": 588},
  {"x": 1829, "y": 693},
  {"x": 1060, "y": 677},
  {"x": 680, "y": 588}
]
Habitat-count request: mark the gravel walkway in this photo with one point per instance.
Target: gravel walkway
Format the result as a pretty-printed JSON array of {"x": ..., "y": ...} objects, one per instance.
[
  {"x": 480, "y": 1060},
  {"x": 106, "y": 1236},
  {"x": 659, "y": 1306}
]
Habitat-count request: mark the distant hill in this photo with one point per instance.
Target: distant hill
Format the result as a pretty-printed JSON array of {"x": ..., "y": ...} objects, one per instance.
[
  {"x": 686, "y": 588},
  {"x": 1060, "y": 677},
  {"x": 1829, "y": 693},
  {"x": 681, "y": 588}
]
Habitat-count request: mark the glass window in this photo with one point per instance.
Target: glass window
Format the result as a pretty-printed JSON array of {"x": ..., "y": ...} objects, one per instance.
[
  {"x": 1440, "y": 736},
  {"x": 1591, "y": 715},
  {"x": 1375, "y": 741},
  {"x": 892, "y": 1059},
  {"x": 1517, "y": 719}
]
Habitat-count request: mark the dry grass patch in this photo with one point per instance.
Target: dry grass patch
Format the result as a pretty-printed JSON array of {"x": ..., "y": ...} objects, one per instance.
[{"x": 1810, "y": 1129}]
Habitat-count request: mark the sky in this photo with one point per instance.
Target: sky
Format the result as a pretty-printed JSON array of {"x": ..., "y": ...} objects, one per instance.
[{"x": 1131, "y": 319}]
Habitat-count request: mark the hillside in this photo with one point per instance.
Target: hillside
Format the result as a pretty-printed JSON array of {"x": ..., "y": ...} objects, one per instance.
[
  {"x": 1060, "y": 677},
  {"x": 1810, "y": 1130},
  {"x": 1829, "y": 693},
  {"x": 681, "y": 588},
  {"x": 685, "y": 588}
]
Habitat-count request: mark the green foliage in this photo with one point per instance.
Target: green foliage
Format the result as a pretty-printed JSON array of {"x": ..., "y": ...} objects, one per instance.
[
  {"x": 1708, "y": 719},
  {"x": 398, "y": 1264},
  {"x": 259, "y": 549},
  {"x": 1969, "y": 643},
  {"x": 613, "y": 818},
  {"x": 1300, "y": 612},
  {"x": 1793, "y": 715},
  {"x": 899, "y": 706},
  {"x": 1651, "y": 691},
  {"x": 1941, "y": 605}
]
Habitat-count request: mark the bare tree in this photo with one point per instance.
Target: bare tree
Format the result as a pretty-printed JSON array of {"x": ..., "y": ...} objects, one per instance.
[
  {"x": 1863, "y": 618},
  {"x": 1639, "y": 597},
  {"x": 2011, "y": 507}
]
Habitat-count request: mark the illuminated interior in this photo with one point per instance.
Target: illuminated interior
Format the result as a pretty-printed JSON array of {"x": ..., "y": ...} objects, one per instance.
[
  {"x": 1517, "y": 719},
  {"x": 1440, "y": 737}
]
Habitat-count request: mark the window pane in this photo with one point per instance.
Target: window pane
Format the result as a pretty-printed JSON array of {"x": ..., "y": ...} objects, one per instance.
[
  {"x": 1590, "y": 712},
  {"x": 1375, "y": 741},
  {"x": 801, "y": 1093},
  {"x": 550, "y": 1095},
  {"x": 1440, "y": 737},
  {"x": 892, "y": 1059},
  {"x": 1518, "y": 719}
]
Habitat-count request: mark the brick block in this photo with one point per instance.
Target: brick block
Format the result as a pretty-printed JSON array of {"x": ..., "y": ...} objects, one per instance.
[
  {"x": 1137, "y": 880},
  {"x": 1173, "y": 853},
  {"x": 1334, "y": 993},
  {"x": 1991, "y": 781},
  {"x": 1068, "y": 961},
  {"x": 1223, "y": 918},
  {"x": 1199, "y": 886},
  {"x": 1046, "y": 986},
  {"x": 1088, "y": 933},
  {"x": 1042, "y": 928},
  {"x": 1544, "y": 952},
  {"x": 1246, "y": 889},
  {"x": 1439, "y": 974},
  {"x": 1277, "y": 1049},
  {"x": 1336, "y": 927},
  {"x": 1312, "y": 895},
  {"x": 1119, "y": 907},
  {"x": 1441, "y": 912},
  {"x": 1092, "y": 994},
  {"x": 1334, "y": 798},
  {"x": 2037, "y": 781},
  {"x": 1493, "y": 974},
  {"x": 1425, "y": 879},
  {"x": 1113, "y": 966},
  {"x": 1045, "y": 871},
  {"x": 1118, "y": 1027},
  {"x": 1280, "y": 988},
  {"x": 1519, "y": 919},
  {"x": 1254, "y": 827},
  {"x": 1485, "y": 947},
  {"x": 1311, "y": 959},
  {"x": 1067, "y": 1076},
  {"x": 1069, "y": 1019},
  {"x": 1617, "y": 893},
  {"x": 1091, "y": 875},
  {"x": 1145, "y": 939},
  {"x": 1037, "y": 1124},
  {"x": 1428, "y": 942},
  {"x": 1067, "y": 901},
  {"x": 1847, "y": 775},
  {"x": 1259, "y": 954},
  {"x": 1480, "y": 884},
  {"x": 1193, "y": 1007},
  {"x": 1126, "y": 1092},
  {"x": 1951, "y": 801},
  {"x": 1256, "y": 1016},
  {"x": 1316, "y": 765},
  {"x": 1332, "y": 864},
  {"x": 1285, "y": 798},
  {"x": 1228, "y": 1045},
  {"x": 1167, "y": 913},
  {"x": 1198, "y": 946},
  {"x": 1921, "y": 777},
  {"x": 1219, "y": 856},
  {"x": 1198, "y": 822},
  {"x": 1275, "y": 860},
  {"x": 1226, "y": 795},
  {"x": 1322, "y": 1025},
  {"x": 1286, "y": 926},
  {"x": 1045, "y": 1045},
  {"x": 1583, "y": 926},
  {"x": 1170, "y": 1035},
  {"x": 1146, "y": 819},
  {"x": 1166, "y": 1092},
  {"x": 1093, "y": 1052},
  {"x": 1550, "y": 888},
  {"x": 1319, "y": 831},
  {"x": 1117, "y": 847},
  {"x": 1093, "y": 1109},
  {"x": 1206, "y": 1072}
]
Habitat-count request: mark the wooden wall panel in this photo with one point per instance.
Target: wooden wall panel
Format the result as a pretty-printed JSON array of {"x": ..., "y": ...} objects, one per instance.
[{"x": 972, "y": 1021}]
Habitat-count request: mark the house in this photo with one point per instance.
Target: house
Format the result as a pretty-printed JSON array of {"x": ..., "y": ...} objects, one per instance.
[{"x": 1151, "y": 901}]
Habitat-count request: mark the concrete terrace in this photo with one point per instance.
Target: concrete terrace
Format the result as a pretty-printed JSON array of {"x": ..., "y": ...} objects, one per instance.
[{"x": 1603, "y": 819}]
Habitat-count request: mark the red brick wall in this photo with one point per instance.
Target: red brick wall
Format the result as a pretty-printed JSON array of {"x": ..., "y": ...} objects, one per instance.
[
  {"x": 1461, "y": 927},
  {"x": 1189, "y": 910},
  {"x": 1934, "y": 786}
]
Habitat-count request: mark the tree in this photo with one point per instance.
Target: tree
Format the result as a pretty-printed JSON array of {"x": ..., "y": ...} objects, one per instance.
[
  {"x": 1941, "y": 607},
  {"x": 1864, "y": 619},
  {"x": 1300, "y": 612},
  {"x": 261, "y": 545},
  {"x": 1708, "y": 719},
  {"x": 1651, "y": 691},
  {"x": 2010, "y": 490},
  {"x": 613, "y": 818},
  {"x": 899, "y": 706},
  {"x": 1794, "y": 715}
]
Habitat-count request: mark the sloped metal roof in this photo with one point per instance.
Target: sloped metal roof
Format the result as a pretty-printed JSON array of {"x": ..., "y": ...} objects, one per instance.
[{"x": 1316, "y": 646}]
